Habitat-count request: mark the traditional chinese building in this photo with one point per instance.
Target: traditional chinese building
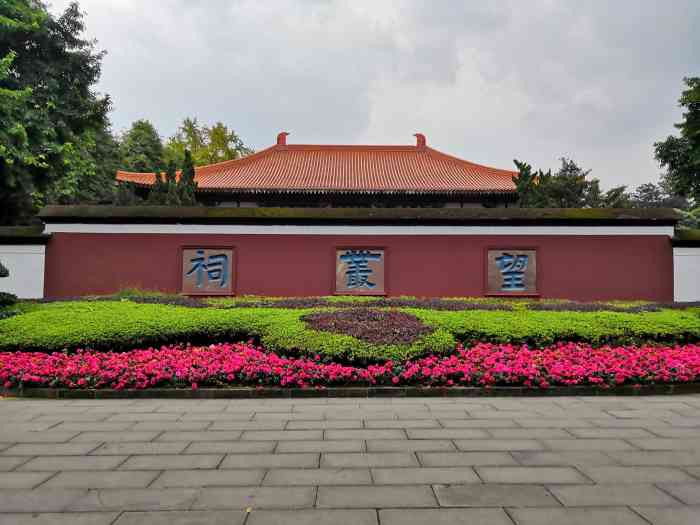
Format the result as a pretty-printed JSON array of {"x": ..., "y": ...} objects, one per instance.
[{"x": 302, "y": 175}]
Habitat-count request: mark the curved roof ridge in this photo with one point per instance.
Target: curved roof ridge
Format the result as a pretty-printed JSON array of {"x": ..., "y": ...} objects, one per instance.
[
  {"x": 340, "y": 168},
  {"x": 233, "y": 162},
  {"x": 468, "y": 162}
]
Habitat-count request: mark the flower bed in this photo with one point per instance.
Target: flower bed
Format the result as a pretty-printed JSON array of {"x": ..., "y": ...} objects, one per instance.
[
  {"x": 239, "y": 364},
  {"x": 379, "y": 327}
]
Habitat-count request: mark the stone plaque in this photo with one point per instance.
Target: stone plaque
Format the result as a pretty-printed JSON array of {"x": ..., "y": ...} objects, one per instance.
[
  {"x": 207, "y": 271},
  {"x": 512, "y": 272},
  {"x": 359, "y": 271}
]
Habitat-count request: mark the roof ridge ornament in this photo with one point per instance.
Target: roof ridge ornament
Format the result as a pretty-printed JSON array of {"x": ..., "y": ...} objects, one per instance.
[
  {"x": 420, "y": 140},
  {"x": 282, "y": 138}
]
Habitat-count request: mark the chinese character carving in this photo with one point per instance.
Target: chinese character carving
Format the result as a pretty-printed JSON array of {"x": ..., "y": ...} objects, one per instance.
[
  {"x": 207, "y": 271},
  {"x": 512, "y": 272},
  {"x": 360, "y": 271}
]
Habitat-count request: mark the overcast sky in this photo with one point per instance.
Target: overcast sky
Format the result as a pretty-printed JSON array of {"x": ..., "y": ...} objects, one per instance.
[{"x": 489, "y": 81}]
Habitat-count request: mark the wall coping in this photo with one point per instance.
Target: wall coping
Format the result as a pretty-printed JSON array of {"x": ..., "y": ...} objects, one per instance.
[
  {"x": 13, "y": 235},
  {"x": 687, "y": 238},
  {"x": 367, "y": 216}
]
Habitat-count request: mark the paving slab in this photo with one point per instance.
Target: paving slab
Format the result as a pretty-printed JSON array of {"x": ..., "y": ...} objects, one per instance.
[
  {"x": 577, "y": 516},
  {"x": 172, "y": 461},
  {"x": 611, "y": 495},
  {"x": 23, "y": 480},
  {"x": 377, "y": 459},
  {"x": 55, "y": 463},
  {"x": 230, "y": 447},
  {"x": 192, "y": 517},
  {"x": 335, "y": 445},
  {"x": 67, "y": 518},
  {"x": 233, "y": 461},
  {"x": 408, "y": 445},
  {"x": 613, "y": 474},
  {"x": 313, "y": 517},
  {"x": 688, "y": 493},
  {"x": 464, "y": 459},
  {"x": 376, "y": 497},
  {"x": 10, "y": 463},
  {"x": 424, "y": 475},
  {"x": 135, "y": 499},
  {"x": 255, "y": 498},
  {"x": 131, "y": 448},
  {"x": 498, "y": 444},
  {"x": 444, "y": 517},
  {"x": 669, "y": 515},
  {"x": 101, "y": 480},
  {"x": 50, "y": 449},
  {"x": 39, "y": 500},
  {"x": 534, "y": 475},
  {"x": 318, "y": 476},
  {"x": 494, "y": 495},
  {"x": 563, "y": 458},
  {"x": 208, "y": 478}
]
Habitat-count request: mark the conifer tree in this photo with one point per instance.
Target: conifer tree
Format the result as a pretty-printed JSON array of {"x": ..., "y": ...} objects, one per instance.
[
  {"x": 172, "y": 195},
  {"x": 187, "y": 184},
  {"x": 159, "y": 191}
]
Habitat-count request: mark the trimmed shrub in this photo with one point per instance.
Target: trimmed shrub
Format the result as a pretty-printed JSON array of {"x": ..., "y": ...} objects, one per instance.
[
  {"x": 124, "y": 325},
  {"x": 7, "y": 299}
]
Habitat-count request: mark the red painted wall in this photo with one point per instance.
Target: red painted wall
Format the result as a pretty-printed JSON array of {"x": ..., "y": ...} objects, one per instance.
[{"x": 573, "y": 267}]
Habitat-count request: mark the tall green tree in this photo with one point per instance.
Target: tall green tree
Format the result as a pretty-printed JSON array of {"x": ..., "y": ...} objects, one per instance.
[
  {"x": 569, "y": 187},
  {"x": 187, "y": 185},
  {"x": 17, "y": 161},
  {"x": 55, "y": 69},
  {"x": 680, "y": 156},
  {"x": 207, "y": 145},
  {"x": 172, "y": 197},
  {"x": 158, "y": 194},
  {"x": 141, "y": 148}
]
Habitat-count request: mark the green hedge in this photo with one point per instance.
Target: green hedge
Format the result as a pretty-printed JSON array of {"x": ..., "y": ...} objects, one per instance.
[{"x": 122, "y": 325}]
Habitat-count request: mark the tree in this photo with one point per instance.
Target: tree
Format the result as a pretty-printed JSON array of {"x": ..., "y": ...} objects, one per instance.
[
  {"x": 141, "y": 148},
  {"x": 223, "y": 144},
  {"x": 55, "y": 69},
  {"x": 125, "y": 195},
  {"x": 652, "y": 195},
  {"x": 16, "y": 157},
  {"x": 567, "y": 188},
  {"x": 680, "y": 156},
  {"x": 207, "y": 145},
  {"x": 158, "y": 194},
  {"x": 187, "y": 185},
  {"x": 172, "y": 197}
]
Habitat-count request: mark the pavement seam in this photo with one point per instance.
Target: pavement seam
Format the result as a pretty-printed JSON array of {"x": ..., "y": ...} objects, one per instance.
[
  {"x": 634, "y": 511},
  {"x": 656, "y": 486},
  {"x": 510, "y": 516}
]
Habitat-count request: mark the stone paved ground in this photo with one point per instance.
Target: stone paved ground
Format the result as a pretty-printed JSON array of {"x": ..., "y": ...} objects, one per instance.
[{"x": 500, "y": 461}]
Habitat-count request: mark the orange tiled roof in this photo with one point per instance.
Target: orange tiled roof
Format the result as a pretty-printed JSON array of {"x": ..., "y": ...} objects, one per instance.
[{"x": 299, "y": 168}]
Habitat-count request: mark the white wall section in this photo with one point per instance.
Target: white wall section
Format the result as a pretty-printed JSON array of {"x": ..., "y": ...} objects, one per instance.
[
  {"x": 26, "y": 265},
  {"x": 686, "y": 274}
]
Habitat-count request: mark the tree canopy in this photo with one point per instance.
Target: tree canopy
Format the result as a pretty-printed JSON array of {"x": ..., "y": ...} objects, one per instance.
[
  {"x": 569, "y": 187},
  {"x": 680, "y": 156},
  {"x": 141, "y": 148},
  {"x": 53, "y": 121},
  {"x": 207, "y": 145}
]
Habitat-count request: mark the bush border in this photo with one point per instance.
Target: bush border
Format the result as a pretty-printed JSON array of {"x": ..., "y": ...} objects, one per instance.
[{"x": 353, "y": 392}]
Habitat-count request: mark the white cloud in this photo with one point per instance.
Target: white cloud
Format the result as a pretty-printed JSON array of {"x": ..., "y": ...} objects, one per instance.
[{"x": 489, "y": 81}]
